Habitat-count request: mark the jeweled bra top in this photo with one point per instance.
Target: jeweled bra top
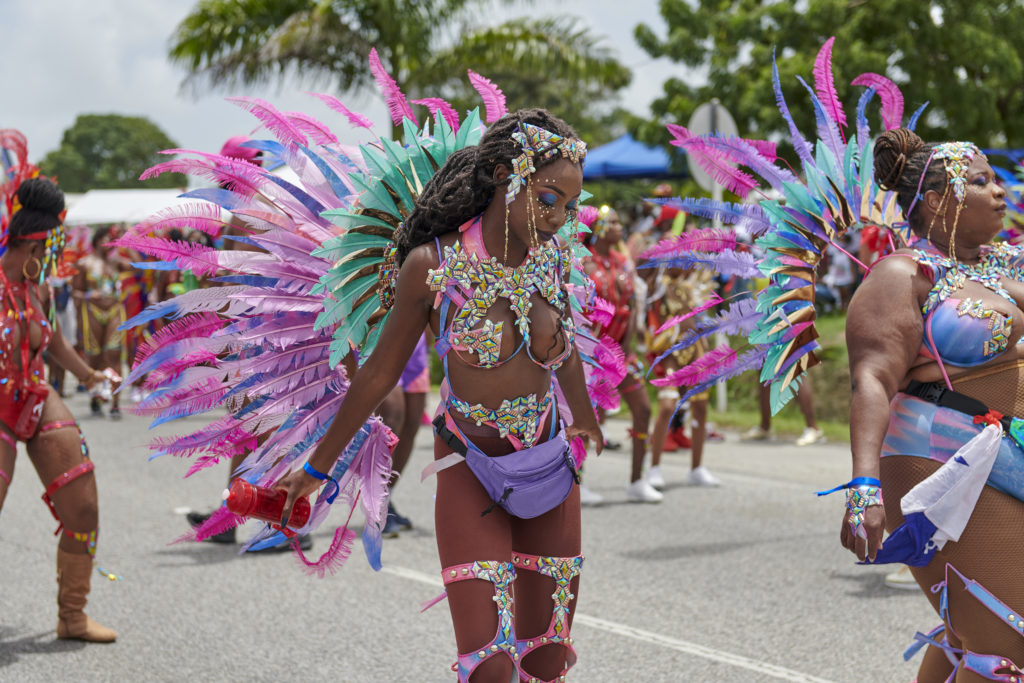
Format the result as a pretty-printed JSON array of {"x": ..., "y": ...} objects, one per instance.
[
  {"x": 473, "y": 281},
  {"x": 966, "y": 332}
]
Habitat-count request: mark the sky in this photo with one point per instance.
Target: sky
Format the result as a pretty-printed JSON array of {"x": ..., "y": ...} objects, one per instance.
[{"x": 63, "y": 58}]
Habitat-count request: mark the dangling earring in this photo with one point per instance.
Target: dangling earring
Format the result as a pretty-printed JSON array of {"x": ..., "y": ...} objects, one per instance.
[
  {"x": 952, "y": 235},
  {"x": 39, "y": 269},
  {"x": 504, "y": 258}
]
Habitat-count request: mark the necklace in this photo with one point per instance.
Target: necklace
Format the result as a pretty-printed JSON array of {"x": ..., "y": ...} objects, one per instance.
[{"x": 997, "y": 262}]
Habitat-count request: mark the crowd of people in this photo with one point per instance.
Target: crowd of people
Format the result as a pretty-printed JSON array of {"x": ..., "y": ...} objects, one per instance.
[{"x": 544, "y": 315}]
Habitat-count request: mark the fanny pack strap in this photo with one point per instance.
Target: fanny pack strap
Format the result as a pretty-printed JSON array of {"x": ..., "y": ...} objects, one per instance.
[{"x": 935, "y": 392}]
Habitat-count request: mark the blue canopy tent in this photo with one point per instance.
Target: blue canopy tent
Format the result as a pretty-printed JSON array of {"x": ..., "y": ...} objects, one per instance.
[{"x": 624, "y": 158}]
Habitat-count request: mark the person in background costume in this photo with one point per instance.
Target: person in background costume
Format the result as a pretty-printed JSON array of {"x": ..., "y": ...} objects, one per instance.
[
  {"x": 613, "y": 276},
  {"x": 673, "y": 293},
  {"x": 32, "y": 233},
  {"x": 98, "y": 291},
  {"x": 491, "y": 215},
  {"x": 933, "y": 336}
]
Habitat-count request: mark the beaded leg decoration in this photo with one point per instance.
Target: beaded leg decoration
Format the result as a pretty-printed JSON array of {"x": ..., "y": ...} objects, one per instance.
[
  {"x": 62, "y": 480},
  {"x": 562, "y": 570},
  {"x": 501, "y": 574}
]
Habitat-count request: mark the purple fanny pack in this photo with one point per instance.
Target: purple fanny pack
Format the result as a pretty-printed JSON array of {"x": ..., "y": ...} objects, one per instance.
[{"x": 525, "y": 483}]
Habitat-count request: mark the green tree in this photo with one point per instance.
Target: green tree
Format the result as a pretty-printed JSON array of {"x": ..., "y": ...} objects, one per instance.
[
  {"x": 109, "y": 151},
  {"x": 426, "y": 46},
  {"x": 960, "y": 56}
]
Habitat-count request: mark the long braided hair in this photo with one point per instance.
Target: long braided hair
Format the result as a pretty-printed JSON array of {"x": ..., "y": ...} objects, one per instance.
[
  {"x": 900, "y": 158},
  {"x": 464, "y": 186}
]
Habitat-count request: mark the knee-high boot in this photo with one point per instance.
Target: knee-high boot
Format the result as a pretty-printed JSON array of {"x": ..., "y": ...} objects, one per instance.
[{"x": 74, "y": 572}]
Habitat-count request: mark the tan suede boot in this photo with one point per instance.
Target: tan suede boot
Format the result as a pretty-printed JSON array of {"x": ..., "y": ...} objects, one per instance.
[{"x": 73, "y": 574}]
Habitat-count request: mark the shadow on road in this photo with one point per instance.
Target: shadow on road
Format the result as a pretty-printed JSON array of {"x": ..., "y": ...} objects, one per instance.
[{"x": 39, "y": 644}]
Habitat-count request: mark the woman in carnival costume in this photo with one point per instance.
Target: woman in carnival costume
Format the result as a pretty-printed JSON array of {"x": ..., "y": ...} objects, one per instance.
[
  {"x": 31, "y": 241},
  {"x": 932, "y": 336},
  {"x": 471, "y": 235},
  {"x": 613, "y": 275}
]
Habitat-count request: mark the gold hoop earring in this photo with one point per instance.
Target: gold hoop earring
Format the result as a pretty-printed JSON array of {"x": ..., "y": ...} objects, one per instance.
[{"x": 39, "y": 268}]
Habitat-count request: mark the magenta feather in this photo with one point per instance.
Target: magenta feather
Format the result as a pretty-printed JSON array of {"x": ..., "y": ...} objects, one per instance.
[
  {"x": 332, "y": 560},
  {"x": 243, "y": 181},
  {"x": 220, "y": 521},
  {"x": 357, "y": 120},
  {"x": 494, "y": 99},
  {"x": 198, "y": 258},
  {"x": 587, "y": 214},
  {"x": 713, "y": 161},
  {"x": 766, "y": 148},
  {"x": 889, "y": 93},
  {"x": 393, "y": 96},
  {"x": 436, "y": 104},
  {"x": 707, "y": 366},
  {"x": 603, "y": 311},
  {"x": 825, "y": 84},
  {"x": 276, "y": 122},
  {"x": 706, "y": 239},
  {"x": 320, "y": 133},
  {"x": 713, "y": 301},
  {"x": 198, "y": 325},
  {"x": 202, "y": 216}
]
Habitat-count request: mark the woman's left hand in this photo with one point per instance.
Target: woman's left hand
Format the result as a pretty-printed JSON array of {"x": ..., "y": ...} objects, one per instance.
[
  {"x": 297, "y": 485},
  {"x": 588, "y": 434}
]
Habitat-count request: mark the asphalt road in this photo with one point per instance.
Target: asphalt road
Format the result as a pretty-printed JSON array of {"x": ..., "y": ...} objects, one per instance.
[{"x": 746, "y": 582}]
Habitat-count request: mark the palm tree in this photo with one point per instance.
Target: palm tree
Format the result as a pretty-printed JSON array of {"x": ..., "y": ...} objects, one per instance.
[{"x": 426, "y": 45}]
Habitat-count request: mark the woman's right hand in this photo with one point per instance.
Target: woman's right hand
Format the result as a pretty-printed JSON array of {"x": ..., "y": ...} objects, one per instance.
[
  {"x": 297, "y": 485},
  {"x": 874, "y": 528}
]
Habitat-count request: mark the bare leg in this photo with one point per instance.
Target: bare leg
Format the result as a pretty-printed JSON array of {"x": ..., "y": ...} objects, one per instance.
[
  {"x": 698, "y": 430},
  {"x": 414, "y": 404},
  {"x": 764, "y": 401},
  {"x": 666, "y": 406},
  {"x": 805, "y": 398},
  {"x": 640, "y": 409}
]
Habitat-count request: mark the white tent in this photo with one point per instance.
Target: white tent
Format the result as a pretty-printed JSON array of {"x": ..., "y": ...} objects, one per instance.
[{"x": 120, "y": 206}]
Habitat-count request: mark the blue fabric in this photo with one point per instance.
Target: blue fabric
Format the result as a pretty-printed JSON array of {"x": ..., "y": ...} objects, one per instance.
[
  {"x": 909, "y": 543},
  {"x": 624, "y": 157}
]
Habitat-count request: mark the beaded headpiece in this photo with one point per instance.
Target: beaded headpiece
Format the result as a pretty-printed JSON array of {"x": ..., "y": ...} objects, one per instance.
[
  {"x": 539, "y": 145},
  {"x": 956, "y": 157}
]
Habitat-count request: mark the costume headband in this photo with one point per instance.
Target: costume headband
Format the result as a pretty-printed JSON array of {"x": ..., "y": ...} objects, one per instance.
[
  {"x": 540, "y": 145},
  {"x": 956, "y": 159}
]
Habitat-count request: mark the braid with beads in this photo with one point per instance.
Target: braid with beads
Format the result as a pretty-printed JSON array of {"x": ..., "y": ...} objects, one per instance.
[
  {"x": 464, "y": 186},
  {"x": 900, "y": 158}
]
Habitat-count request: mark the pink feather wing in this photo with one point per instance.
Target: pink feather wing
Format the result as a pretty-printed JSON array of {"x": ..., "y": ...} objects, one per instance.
[
  {"x": 436, "y": 104},
  {"x": 276, "y": 122},
  {"x": 357, "y": 120}
]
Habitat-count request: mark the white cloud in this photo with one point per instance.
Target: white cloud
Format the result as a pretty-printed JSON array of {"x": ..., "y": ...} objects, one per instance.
[{"x": 68, "y": 57}]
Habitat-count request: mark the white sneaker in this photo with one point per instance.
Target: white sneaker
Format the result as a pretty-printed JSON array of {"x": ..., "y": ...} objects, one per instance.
[
  {"x": 901, "y": 578},
  {"x": 589, "y": 498},
  {"x": 640, "y": 491},
  {"x": 755, "y": 433},
  {"x": 654, "y": 477},
  {"x": 811, "y": 436},
  {"x": 701, "y": 477}
]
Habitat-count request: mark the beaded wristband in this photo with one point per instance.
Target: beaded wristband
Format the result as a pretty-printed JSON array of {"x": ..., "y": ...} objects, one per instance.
[{"x": 858, "y": 499}]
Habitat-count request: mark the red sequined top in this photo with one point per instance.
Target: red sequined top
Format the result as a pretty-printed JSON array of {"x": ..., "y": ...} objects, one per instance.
[
  {"x": 19, "y": 317},
  {"x": 614, "y": 283}
]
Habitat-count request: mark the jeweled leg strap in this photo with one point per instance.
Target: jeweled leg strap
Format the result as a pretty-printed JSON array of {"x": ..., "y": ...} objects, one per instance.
[
  {"x": 562, "y": 570},
  {"x": 991, "y": 667},
  {"x": 501, "y": 574}
]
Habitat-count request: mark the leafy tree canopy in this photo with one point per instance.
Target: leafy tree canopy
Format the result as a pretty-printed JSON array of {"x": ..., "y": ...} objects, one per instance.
[
  {"x": 960, "y": 56},
  {"x": 426, "y": 46},
  {"x": 109, "y": 151}
]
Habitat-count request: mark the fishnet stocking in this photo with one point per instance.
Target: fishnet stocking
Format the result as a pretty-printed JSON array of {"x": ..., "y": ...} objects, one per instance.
[
  {"x": 1000, "y": 387},
  {"x": 989, "y": 551}
]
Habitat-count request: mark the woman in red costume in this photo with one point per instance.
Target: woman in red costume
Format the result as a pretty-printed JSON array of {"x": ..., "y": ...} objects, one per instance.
[
  {"x": 31, "y": 412},
  {"x": 613, "y": 276}
]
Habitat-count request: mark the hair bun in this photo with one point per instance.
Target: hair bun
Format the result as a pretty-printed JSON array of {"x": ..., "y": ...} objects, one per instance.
[
  {"x": 893, "y": 149},
  {"x": 42, "y": 195}
]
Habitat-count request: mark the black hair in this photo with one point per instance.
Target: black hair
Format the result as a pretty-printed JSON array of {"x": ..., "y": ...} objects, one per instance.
[
  {"x": 900, "y": 158},
  {"x": 464, "y": 186},
  {"x": 41, "y": 205},
  {"x": 100, "y": 234}
]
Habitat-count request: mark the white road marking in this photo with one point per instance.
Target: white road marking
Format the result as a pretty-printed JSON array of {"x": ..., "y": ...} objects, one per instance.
[{"x": 650, "y": 637}]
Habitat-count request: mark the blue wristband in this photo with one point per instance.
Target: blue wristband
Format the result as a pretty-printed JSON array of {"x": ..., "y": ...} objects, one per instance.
[
  {"x": 315, "y": 473},
  {"x": 853, "y": 483}
]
